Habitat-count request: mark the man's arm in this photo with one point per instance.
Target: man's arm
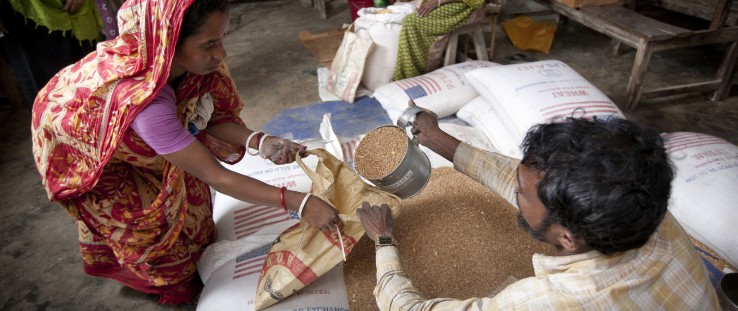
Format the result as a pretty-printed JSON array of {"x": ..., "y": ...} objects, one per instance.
[{"x": 495, "y": 171}]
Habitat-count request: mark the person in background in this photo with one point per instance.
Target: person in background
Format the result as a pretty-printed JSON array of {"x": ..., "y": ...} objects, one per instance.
[
  {"x": 425, "y": 33},
  {"x": 108, "y": 10},
  {"x": 598, "y": 192},
  {"x": 42, "y": 37},
  {"x": 128, "y": 140}
]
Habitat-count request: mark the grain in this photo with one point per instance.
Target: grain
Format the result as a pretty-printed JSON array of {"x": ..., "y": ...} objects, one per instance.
[
  {"x": 380, "y": 152},
  {"x": 457, "y": 239}
]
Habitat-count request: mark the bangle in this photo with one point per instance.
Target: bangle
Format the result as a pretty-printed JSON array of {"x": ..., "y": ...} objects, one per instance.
[
  {"x": 302, "y": 205},
  {"x": 261, "y": 143},
  {"x": 281, "y": 197},
  {"x": 248, "y": 140},
  {"x": 439, "y": 4}
]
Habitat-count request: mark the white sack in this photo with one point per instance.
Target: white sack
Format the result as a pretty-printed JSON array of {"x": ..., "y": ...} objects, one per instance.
[
  {"x": 480, "y": 114},
  {"x": 443, "y": 91},
  {"x": 384, "y": 30},
  {"x": 705, "y": 190},
  {"x": 523, "y": 95}
]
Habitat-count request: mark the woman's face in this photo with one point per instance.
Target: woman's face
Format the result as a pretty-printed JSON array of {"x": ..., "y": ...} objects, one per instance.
[{"x": 202, "y": 52}]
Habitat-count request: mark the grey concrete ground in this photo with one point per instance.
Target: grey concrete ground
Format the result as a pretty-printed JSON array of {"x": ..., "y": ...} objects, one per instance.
[{"x": 40, "y": 265}]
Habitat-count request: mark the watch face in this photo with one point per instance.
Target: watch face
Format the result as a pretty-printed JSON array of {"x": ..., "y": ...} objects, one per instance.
[{"x": 384, "y": 240}]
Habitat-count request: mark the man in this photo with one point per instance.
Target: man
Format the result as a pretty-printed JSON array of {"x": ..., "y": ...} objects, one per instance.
[{"x": 598, "y": 191}]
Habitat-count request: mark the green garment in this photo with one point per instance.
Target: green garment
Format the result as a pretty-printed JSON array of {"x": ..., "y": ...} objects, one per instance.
[
  {"x": 85, "y": 24},
  {"x": 419, "y": 33}
]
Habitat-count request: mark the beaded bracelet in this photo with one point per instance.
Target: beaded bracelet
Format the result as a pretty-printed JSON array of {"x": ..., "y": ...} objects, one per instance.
[
  {"x": 248, "y": 140},
  {"x": 281, "y": 197},
  {"x": 302, "y": 205}
]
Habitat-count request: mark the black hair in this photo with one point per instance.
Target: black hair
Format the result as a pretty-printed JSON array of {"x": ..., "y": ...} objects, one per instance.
[
  {"x": 196, "y": 14},
  {"x": 608, "y": 181}
]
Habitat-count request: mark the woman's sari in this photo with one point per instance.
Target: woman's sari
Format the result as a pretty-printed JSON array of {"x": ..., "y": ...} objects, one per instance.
[
  {"x": 141, "y": 221},
  {"x": 423, "y": 39}
]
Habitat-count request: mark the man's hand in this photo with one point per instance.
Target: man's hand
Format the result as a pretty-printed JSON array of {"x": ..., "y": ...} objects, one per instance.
[
  {"x": 72, "y": 6},
  {"x": 377, "y": 220},
  {"x": 430, "y": 135}
]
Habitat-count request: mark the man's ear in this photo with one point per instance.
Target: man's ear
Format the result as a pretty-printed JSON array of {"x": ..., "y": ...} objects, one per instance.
[{"x": 567, "y": 240}]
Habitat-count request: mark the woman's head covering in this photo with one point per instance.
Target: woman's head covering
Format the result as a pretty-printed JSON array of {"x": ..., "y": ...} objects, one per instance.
[{"x": 84, "y": 110}]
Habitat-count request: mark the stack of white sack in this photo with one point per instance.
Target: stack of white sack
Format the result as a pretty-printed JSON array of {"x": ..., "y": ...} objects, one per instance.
[
  {"x": 443, "y": 91},
  {"x": 704, "y": 191},
  {"x": 518, "y": 96},
  {"x": 230, "y": 268},
  {"x": 382, "y": 26}
]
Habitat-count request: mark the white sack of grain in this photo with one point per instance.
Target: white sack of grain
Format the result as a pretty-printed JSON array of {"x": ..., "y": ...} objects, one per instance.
[
  {"x": 705, "y": 190},
  {"x": 383, "y": 26},
  {"x": 233, "y": 287},
  {"x": 443, "y": 91},
  {"x": 523, "y": 95},
  {"x": 482, "y": 116}
]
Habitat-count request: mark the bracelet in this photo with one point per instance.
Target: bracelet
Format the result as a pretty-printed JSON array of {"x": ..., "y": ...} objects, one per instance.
[
  {"x": 281, "y": 197},
  {"x": 439, "y": 4},
  {"x": 302, "y": 205},
  {"x": 261, "y": 143},
  {"x": 248, "y": 140}
]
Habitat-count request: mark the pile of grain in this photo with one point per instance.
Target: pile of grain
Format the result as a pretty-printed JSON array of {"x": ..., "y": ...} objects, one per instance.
[
  {"x": 380, "y": 152},
  {"x": 457, "y": 239}
]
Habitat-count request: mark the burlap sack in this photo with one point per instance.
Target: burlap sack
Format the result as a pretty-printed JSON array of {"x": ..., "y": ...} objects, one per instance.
[{"x": 302, "y": 253}]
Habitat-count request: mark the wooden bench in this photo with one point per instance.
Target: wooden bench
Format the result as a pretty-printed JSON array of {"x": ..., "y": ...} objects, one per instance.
[
  {"x": 648, "y": 35},
  {"x": 476, "y": 31}
]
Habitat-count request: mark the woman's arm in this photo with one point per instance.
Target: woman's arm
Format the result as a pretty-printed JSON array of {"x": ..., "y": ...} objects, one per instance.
[{"x": 197, "y": 160}]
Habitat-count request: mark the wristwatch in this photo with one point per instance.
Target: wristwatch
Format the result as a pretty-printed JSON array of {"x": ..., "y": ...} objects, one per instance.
[{"x": 385, "y": 240}]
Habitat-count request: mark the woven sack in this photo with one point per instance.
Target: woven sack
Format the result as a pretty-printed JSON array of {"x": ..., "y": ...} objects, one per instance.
[
  {"x": 303, "y": 253},
  {"x": 348, "y": 65}
]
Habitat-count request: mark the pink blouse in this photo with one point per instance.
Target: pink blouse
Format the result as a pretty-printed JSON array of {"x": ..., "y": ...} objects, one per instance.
[{"x": 158, "y": 125}]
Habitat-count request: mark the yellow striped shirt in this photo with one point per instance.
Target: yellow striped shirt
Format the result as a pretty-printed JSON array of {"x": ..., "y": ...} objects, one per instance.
[{"x": 665, "y": 274}]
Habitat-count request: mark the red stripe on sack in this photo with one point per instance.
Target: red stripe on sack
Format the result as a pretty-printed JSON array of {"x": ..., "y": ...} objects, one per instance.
[
  {"x": 691, "y": 139},
  {"x": 243, "y": 219},
  {"x": 438, "y": 85},
  {"x": 588, "y": 110},
  {"x": 587, "y": 115},
  {"x": 426, "y": 85},
  {"x": 246, "y": 211},
  {"x": 245, "y": 232},
  {"x": 575, "y": 103},
  {"x": 693, "y": 142},
  {"x": 680, "y": 148},
  {"x": 251, "y": 222}
]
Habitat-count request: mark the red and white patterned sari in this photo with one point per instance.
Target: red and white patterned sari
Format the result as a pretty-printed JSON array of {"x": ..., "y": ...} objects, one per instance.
[{"x": 141, "y": 221}]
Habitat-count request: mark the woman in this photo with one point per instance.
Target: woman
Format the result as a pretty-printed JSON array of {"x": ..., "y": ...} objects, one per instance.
[
  {"x": 424, "y": 34},
  {"x": 138, "y": 187}
]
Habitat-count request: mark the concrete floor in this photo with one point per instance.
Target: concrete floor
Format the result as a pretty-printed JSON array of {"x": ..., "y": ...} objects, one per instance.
[{"x": 40, "y": 266}]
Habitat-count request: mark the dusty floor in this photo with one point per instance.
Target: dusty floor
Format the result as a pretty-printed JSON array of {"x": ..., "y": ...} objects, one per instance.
[{"x": 40, "y": 265}]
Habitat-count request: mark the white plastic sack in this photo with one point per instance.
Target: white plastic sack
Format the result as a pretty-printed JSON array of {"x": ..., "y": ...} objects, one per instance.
[
  {"x": 480, "y": 114},
  {"x": 705, "y": 190},
  {"x": 523, "y": 95},
  {"x": 443, "y": 91},
  {"x": 383, "y": 26}
]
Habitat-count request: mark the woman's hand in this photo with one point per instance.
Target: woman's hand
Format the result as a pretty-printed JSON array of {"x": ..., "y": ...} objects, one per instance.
[
  {"x": 320, "y": 214},
  {"x": 281, "y": 151},
  {"x": 377, "y": 220},
  {"x": 427, "y": 7}
]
